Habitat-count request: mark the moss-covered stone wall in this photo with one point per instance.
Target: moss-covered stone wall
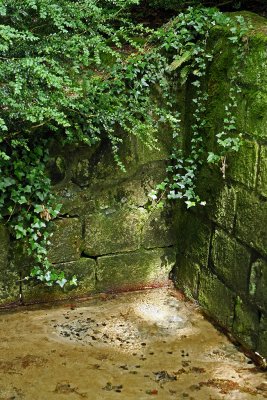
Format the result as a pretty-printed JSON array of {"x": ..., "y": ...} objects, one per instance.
[
  {"x": 222, "y": 249},
  {"x": 106, "y": 233}
]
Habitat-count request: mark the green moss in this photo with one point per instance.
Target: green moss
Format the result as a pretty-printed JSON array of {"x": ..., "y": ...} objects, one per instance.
[
  {"x": 262, "y": 183},
  {"x": 158, "y": 230},
  {"x": 243, "y": 166},
  {"x": 216, "y": 299},
  {"x": 231, "y": 261},
  {"x": 113, "y": 231},
  {"x": 256, "y": 118},
  {"x": 246, "y": 324},
  {"x": 258, "y": 283},
  {"x": 193, "y": 239},
  {"x": 66, "y": 240},
  {"x": 225, "y": 208},
  {"x": 186, "y": 276}
]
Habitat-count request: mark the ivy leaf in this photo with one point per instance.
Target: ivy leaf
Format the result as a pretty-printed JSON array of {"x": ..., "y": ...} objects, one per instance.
[
  {"x": 22, "y": 200},
  {"x": 186, "y": 56}
]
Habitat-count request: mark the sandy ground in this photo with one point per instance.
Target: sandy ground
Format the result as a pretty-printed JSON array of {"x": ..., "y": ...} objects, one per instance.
[{"x": 141, "y": 345}]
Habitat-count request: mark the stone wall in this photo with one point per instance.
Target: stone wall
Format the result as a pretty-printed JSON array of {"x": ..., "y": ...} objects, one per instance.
[
  {"x": 106, "y": 234},
  {"x": 222, "y": 249}
]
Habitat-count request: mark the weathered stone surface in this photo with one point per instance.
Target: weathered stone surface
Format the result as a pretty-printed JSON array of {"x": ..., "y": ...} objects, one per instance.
[
  {"x": 216, "y": 299},
  {"x": 231, "y": 261},
  {"x": 262, "y": 184},
  {"x": 225, "y": 208},
  {"x": 246, "y": 324},
  {"x": 66, "y": 240},
  {"x": 135, "y": 270},
  {"x": 262, "y": 344},
  {"x": 244, "y": 165},
  {"x": 158, "y": 229},
  {"x": 84, "y": 269},
  {"x": 258, "y": 283},
  {"x": 72, "y": 198},
  {"x": 186, "y": 277},
  {"x": 113, "y": 231},
  {"x": 251, "y": 221},
  {"x": 193, "y": 239},
  {"x": 9, "y": 274}
]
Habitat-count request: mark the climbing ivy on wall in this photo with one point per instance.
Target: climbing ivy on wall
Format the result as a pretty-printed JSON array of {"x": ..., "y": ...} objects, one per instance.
[{"x": 79, "y": 71}]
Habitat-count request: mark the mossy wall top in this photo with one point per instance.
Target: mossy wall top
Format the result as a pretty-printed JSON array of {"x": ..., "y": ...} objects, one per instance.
[{"x": 222, "y": 254}]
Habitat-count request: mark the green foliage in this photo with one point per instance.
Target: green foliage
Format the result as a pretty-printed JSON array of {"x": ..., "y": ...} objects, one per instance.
[
  {"x": 188, "y": 34},
  {"x": 79, "y": 71}
]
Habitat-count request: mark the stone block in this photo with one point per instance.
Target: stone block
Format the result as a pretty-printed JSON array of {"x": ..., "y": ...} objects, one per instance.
[
  {"x": 66, "y": 240},
  {"x": 262, "y": 183},
  {"x": 243, "y": 165},
  {"x": 113, "y": 231},
  {"x": 258, "y": 283},
  {"x": 225, "y": 208},
  {"x": 251, "y": 221},
  {"x": 262, "y": 343},
  {"x": 158, "y": 230},
  {"x": 9, "y": 273},
  {"x": 84, "y": 269},
  {"x": 231, "y": 261},
  {"x": 246, "y": 324},
  {"x": 135, "y": 270},
  {"x": 216, "y": 299},
  {"x": 193, "y": 239}
]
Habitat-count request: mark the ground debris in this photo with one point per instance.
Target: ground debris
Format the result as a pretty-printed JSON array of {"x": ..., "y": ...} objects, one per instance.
[
  {"x": 164, "y": 376},
  {"x": 66, "y": 388},
  {"x": 109, "y": 387}
]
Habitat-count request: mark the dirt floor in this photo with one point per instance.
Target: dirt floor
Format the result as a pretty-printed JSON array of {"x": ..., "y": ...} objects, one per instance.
[{"x": 141, "y": 345}]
